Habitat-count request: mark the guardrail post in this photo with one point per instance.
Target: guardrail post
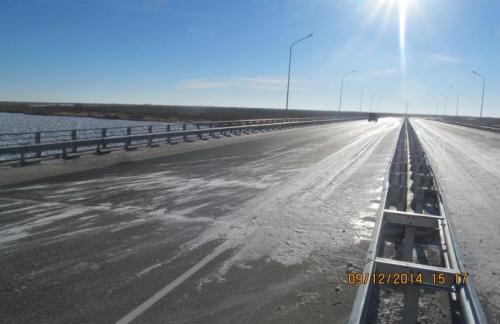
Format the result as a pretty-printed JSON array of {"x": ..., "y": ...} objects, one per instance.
[
  {"x": 103, "y": 135},
  {"x": 168, "y": 136},
  {"x": 128, "y": 141},
  {"x": 37, "y": 141},
  {"x": 150, "y": 140},
  {"x": 200, "y": 135},
  {"x": 21, "y": 158},
  {"x": 184, "y": 128},
  {"x": 73, "y": 138}
]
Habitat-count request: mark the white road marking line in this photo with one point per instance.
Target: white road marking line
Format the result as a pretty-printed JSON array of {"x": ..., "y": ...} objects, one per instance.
[{"x": 167, "y": 289}]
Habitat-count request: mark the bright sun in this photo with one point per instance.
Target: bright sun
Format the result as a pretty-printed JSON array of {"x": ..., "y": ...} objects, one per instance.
[{"x": 403, "y": 6}]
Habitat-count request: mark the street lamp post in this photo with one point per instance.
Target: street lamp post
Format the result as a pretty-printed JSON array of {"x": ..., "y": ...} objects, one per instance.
[
  {"x": 342, "y": 86},
  {"x": 437, "y": 105},
  {"x": 289, "y": 69},
  {"x": 458, "y": 101},
  {"x": 482, "y": 99},
  {"x": 445, "y": 102},
  {"x": 371, "y": 103},
  {"x": 362, "y": 93}
]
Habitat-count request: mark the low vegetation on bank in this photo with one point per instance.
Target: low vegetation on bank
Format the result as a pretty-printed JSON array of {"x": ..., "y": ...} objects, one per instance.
[{"x": 157, "y": 113}]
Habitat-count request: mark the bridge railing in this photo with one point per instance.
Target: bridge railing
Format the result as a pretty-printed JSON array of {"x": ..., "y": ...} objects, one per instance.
[
  {"x": 470, "y": 123},
  {"x": 68, "y": 148},
  {"x": 27, "y": 138}
]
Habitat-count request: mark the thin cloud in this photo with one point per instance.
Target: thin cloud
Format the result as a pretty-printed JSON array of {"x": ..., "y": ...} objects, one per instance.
[{"x": 444, "y": 58}]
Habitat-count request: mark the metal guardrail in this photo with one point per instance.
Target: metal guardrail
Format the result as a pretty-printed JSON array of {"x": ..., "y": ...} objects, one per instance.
[
  {"x": 255, "y": 121},
  {"x": 471, "y": 124},
  {"x": 26, "y": 138},
  {"x": 410, "y": 178},
  {"x": 71, "y": 148}
]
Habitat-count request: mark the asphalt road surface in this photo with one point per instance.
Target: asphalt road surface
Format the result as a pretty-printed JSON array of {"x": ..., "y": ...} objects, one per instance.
[
  {"x": 467, "y": 165},
  {"x": 259, "y": 228}
]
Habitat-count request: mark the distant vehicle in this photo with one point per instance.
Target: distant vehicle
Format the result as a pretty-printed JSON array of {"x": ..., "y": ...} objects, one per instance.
[{"x": 372, "y": 116}]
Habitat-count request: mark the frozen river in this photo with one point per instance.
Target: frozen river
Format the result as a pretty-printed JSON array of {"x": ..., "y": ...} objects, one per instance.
[{"x": 19, "y": 123}]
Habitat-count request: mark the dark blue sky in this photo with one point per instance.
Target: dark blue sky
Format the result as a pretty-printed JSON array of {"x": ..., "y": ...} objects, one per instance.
[{"x": 235, "y": 53}]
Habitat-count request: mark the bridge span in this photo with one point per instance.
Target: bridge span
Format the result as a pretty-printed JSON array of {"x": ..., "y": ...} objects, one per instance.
[{"x": 256, "y": 227}]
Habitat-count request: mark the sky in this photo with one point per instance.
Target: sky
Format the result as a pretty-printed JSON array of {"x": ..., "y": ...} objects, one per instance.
[{"x": 235, "y": 53}]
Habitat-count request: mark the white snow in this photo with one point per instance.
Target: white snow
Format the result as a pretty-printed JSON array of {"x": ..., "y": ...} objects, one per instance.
[
  {"x": 467, "y": 164},
  {"x": 289, "y": 221}
]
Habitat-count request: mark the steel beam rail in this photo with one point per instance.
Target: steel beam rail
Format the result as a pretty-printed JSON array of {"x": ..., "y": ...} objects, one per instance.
[
  {"x": 214, "y": 123},
  {"x": 26, "y": 138},
  {"x": 86, "y": 129},
  {"x": 431, "y": 218},
  {"x": 359, "y": 312},
  {"x": 148, "y": 138},
  {"x": 486, "y": 127},
  {"x": 256, "y": 121}
]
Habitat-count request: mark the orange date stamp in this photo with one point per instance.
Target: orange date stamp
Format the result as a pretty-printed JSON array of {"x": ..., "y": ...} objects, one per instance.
[{"x": 399, "y": 279}]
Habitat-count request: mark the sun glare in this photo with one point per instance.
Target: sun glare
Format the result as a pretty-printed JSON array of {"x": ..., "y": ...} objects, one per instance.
[{"x": 402, "y": 6}]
